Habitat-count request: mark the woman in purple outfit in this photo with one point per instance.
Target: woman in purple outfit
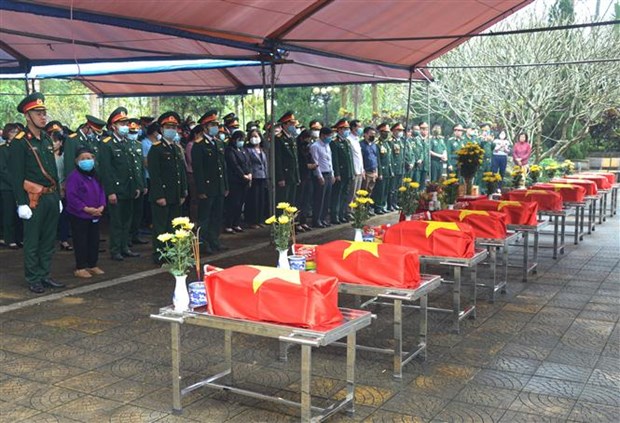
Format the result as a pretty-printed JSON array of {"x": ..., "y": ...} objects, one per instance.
[{"x": 85, "y": 203}]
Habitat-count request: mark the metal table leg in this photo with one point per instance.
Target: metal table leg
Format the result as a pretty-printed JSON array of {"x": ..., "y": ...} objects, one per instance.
[
  {"x": 577, "y": 215},
  {"x": 423, "y": 325},
  {"x": 493, "y": 263},
  {"x": 175, "y": 332},
  {"x": 456, "y": 297},
  {"x": 306, "y": 400},
  {"x": 351, "y": 351},
  {"x": 505, "y": 258},
  {"x": 555, "y": 236},
  {"x": 398, "y": 339},
  {"x": 526, "y": 255},
  {"x": 601, "y": 211},
  {"x": 581, "y": 231},
  {"x": 563, "y": 234}
]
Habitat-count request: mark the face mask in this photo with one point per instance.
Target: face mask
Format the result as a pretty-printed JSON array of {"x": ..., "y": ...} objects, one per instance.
[
  {"x": 327, "y": 140},
  {"x": 240, "y": 144},
  {"x": 255, "y": 140},
  {"x": 371, "y": 138},
  {"x": 315, "y": 134},
  {"x": 176, "y": 138},
  {"x": 346, "y": 133},
  {"x": 86, "y": 165},
  {"x": 140, "y": 132},
  {"x": 400, "y": 134},
  {"x": 158, "y": 137},
  {"x": 132, "y": 136},
  {"x": 222, "y": 136},
  {"x": 123, "y": 130},
  {"x": 213, "y": 130},
  {"x": 169, "y": 133},
  {"x": 292, "y": 129},
  {"x": 384, "y": 135},
  {"x": 359, "y": 132}
]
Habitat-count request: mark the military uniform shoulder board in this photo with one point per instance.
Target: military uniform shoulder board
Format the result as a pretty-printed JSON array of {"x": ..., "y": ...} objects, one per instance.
[
  {"x": 20, "y": 135},
  {"x": 73, "y": 135},
  {"x": 106, "y": 139},
  {"x": 156, "y": 143}
]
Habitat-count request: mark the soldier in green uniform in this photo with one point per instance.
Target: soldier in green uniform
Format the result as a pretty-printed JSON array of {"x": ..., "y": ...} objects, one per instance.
[
  {"x": 439, "y": 155},
  {"x": 379, "y": 194},
  {"x": 135, "y": 146},
  {"x": 342, "y": 163},
  {"x": 286, "y": 159},
  {"x": 409, "y": 154},
  {"x": 486, "y": 142},
  {"x": 120, "y": 181},
  {"x": 168, "y": 179},
  {"x": 32, "y": 167},
  {"x": 398, "y": 164},
  {"x": 88, "y": 136},
  {"x": 423, "y": 151},
  {"x": 454, "y": 144},
  {"x": 11, "y": 229},
  {"x": 211, "y": 181}
]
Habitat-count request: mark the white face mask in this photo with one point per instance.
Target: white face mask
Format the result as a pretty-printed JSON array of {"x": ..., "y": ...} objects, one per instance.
[
  {"x": 315, "y": 134},
  {"x": 255, "y": 140}
]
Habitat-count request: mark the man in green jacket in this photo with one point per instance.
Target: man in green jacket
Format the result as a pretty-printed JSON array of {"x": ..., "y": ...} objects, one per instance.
[
  {"x": 380, "y": 192},
  {"x": 286, "y": 159},
  {"x": 120, "y": 181},
  {"x": 439, "y": 155},
  {"x": 211, "y": 181},
  {"x": 454, "y": 144},
  {"x": 31, "y": 161},
  {"x": 398, "y": 164},
  {"x": 168, "y": 179},
  {"x": 135, "y": 146},
  {"x": 342, "y": 163}
]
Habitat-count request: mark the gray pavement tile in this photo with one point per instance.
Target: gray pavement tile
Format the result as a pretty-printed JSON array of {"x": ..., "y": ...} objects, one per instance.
[
  {"x": 88, "y": 382},
  {"x": 381, "y": 416},
  {"x": 464, "y": 412},
  {"x": 88, "y": 408},
  {"x": 600, "y": 395},
  {"x": 531, "y": 352},
  {"x": 567, "y": 355},
  {"x": 556, "y": 387},
  {"x": 563, "y": 372},
  {"x": 584, "y": 411},
  {"x": 416, "y": 405},
  {"x": 48, "y": 397},
  {"x": 488, "y": 396},
  {"x": 514, "y": 364},
  {"x": 542, "y": 405},
  {"x": 519, "y": 417},
  {"x": 13, "y": 412}
]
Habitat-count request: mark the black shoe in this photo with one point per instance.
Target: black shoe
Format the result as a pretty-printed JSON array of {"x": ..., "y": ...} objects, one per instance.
[
  {"x": 130, "y": 253},
  {"x": 326, "y": 224},
  {"x": 13, "y": 246},
  {"x": 238, "y": 229},
  {"x": 318, "y": 225},
  {"x": 20, "y": 244},
  {"x": 65, "y": 246},
  {"x": 138, "y": 241},
  {"x": 117, "y": 257},
  {"x": 306, "y": 227},
  {"x": 51, "y": 283},
  {"x": 37, "y": 288}
]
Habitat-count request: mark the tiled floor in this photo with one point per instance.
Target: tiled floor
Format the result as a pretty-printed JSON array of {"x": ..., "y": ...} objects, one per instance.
[{"x": 548, "y": 350}]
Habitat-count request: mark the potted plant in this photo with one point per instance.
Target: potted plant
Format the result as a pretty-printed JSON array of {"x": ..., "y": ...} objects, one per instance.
[
  {"x": 517, "y": 177},
  {"x": 179, "y": 254},
  {"x": 468, "y": 160},
  {"x": 408, "y": 197},
  {"x": 492, "y": 181},
  {"x": 282, "y": 230},
  {"x": 534, "y": 173},
  {"x": 360, "y": 208},
  {"x": 450, "y": 190}
]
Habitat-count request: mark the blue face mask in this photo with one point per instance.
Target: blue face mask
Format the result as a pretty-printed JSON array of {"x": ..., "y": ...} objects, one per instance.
[
  {"x": 240, "y": 144},
  {"x": 123, "y": 130},
  {"x": 86, "y": 165},
  {"x": 359, "y": 131},
  {"x": 346, "y": 133},
  {"x": 140, "y": 132},
  {"x": 213, "y": 130},
  {"x": 132, "y": 136},
  {"x": 222, "y": 136},
  {"x": 169, "y": 133},
  {"x": 176, "y": 138},
  {"x": 327, "y": 140},
  {"x": 292, "y": 129}
]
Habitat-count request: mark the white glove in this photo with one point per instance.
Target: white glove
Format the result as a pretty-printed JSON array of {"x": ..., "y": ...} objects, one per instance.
[
  {"x": 60, "y": 206},
  {"x": 24, "y": 212}
]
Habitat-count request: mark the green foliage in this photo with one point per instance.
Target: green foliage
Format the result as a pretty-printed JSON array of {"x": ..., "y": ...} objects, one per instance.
[
  {"x": 563, "y": 11},
  {"x": 606, "y": 133}
]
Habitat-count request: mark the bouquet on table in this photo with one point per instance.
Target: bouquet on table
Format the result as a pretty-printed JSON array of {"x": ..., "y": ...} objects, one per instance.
[
  {"x": 180, "y": 251},
  {"x": 360, "y": 208},
  {"x": 450, "y": 189},
  {"x": 517, "y": 177},
  {"x": 468, "y": 161},
  {"x": 282, "y": 225},
  {"x": 534, "y": 173},
  {"x": 568, "y": 167},
  {"x": 550, "y": 168},
  {"x": 492, "y": 181},
  {"x": 408, "y": 196}
]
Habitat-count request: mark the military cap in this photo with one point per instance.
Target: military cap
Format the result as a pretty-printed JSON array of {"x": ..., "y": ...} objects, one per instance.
[
  {"x": 252, "y": 125},
  {"x": 169, "y": 118},
  {"x": 210, "y": 116},
  {"x": 134, "y": 125},
  {"x": 119, "y": 114},
  {"x": 34, "y": 101},
  {"x": 470, "y": 125},
  {"x": 383, "y": 127},
  {"x": 53, "y": 126},
  {"x": 342, "y": 123},
  {"x": 398, "y": 126},
  {"x": 231, "y": 120},
  {"x": 485, "y": 124},
  {"x": 145, "y": 120},
  {"x": 95, "y": 123},
  {"x": 315, "y": 124},
  {"x": 458, "y": 127},
  {"x": 222, "y": 129},
  {"x": 287, "y": 117}
]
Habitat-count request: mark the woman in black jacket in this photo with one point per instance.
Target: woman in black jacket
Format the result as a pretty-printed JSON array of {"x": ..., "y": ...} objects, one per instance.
[{"x": 239, "y": 180}]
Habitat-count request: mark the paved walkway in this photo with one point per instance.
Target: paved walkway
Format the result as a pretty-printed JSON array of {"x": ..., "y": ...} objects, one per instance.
[{"x": 548, "y": 350}]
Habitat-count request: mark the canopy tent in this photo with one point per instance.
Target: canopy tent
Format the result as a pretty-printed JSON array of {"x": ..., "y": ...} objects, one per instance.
[{"x": 310, "y": 41}]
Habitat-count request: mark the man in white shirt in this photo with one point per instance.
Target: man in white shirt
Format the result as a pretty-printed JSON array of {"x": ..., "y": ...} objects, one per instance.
[
  {"x": 358, "y": 161},
  {"x": 322, "y": 177}
]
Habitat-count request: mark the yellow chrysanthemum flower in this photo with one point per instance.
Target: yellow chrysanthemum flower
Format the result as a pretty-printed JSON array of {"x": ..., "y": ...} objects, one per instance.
[
  {"x": 407, "y": 180},
  {"x": 283, "y": 220},
  {"x": 271, "y": 220},
  {"x": 164, "y": 237},
  {"x": 414, "y": 185},
  {"x": 283, "y": 206},
  {"x": 362, "y": 193},
  {"x": 180, "y": 221},
  {"x": 181, "y": 233},
  {"x": 291, "y": 210},
  {"x": 402, "y": 189},
  {"x": 371, "y": 201},
  {"x": 353, "y": 205}
]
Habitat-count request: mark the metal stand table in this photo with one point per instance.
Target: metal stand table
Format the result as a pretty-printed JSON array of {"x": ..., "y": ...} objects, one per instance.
[
  {"x": 559, "y": 229},
  {"x": 602, "y": 213},
  {"x": 614, "y": 200},
  {"x": 525, "y": 231},
  {"x": 580, "y": 208},
  {"x": 492, "y": 245},
  {"x": 457, "y": 264},
  {"x": 306, "y": 338},
  {"x": 592, "y": 211}
]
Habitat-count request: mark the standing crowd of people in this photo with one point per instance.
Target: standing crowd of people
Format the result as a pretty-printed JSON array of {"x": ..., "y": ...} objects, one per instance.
[{"x": 143, "y": 172}]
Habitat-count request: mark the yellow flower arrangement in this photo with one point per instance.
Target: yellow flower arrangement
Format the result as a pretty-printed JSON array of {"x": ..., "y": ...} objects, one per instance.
[
  {"x": 492, "y": 181},
  {"x": 180, "y": 251},
  {"x": 469, "y": 158},
  {"x": 283, "y": 225},
  {"x": 360, "y": 208},
  {"x": 408, "y": 196},
  {"x": 568, "y": 167},
  {"x": 517, "y": 176},
  {"x": 534, "y": 173},
  {"x": 450, "y": 189}
]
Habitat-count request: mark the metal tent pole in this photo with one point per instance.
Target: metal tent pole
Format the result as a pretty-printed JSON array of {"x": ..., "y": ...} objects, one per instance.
[
  {"x": 409, "y": 100},
  {"x": 271, "y": 169},
  {"x": 428, "y": 120},
  {"x": 272, "y": 150}
]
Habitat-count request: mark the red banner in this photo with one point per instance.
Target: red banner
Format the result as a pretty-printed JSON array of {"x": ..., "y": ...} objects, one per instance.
[
  {"x": 600, "y": 180},
  {"x": 471, "y": 198},
  {"x": 430, "y": 238},
  {"x": 547, "y": 200},
  {"x": 369, "y": 263},
  {"x": 611, "y": 177},
  {"x": 590, "y": 186},
  {"x": 570, "y": 193},
  {"x": 269, "y": 294},
  {"x": 485, "y": 224},
  {"x": 517, "y": 212}
]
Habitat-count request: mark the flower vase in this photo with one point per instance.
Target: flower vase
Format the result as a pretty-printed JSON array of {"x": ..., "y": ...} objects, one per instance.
[
  {"x": 450, "y": 206},
  {"x": 283, "y": 259},
  {"x": 407, "y": 217},
  {"x": 469, "y": 185},
  {"x": 358, "y": 235},
  {"x": 180, "y": 300}
]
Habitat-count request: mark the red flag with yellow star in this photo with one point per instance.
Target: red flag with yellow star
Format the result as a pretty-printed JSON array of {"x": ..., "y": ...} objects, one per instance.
[
  {"x": 547, "y": 200},
  {"x": 601, "y": 181},
  {"x": 569, "y": 192},
  {"x": 611, "y": 177},
  {"x": 431, "y": 238},
  {"x": 485, "y": 224},
  {"x": 270, "y": 294},
  {"x": 590, "y": 186},
  {"x": 516, "y": 212},
  {"x": 369, "y": 263}
]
